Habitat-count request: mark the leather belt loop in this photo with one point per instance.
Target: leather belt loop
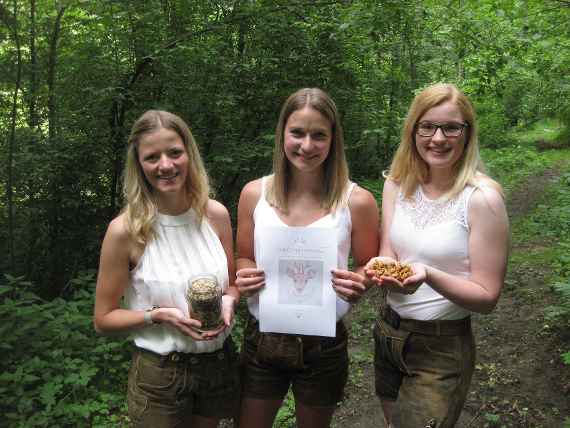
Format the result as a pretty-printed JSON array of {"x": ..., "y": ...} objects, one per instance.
[{"x": 162, "y": 359}]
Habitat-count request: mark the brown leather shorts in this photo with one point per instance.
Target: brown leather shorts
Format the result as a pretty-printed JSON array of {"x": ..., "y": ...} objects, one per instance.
[
  {"x": 425, "y": 367},
  {"x": 316, "y": 367},
  {"x": 166, "y": 390}
]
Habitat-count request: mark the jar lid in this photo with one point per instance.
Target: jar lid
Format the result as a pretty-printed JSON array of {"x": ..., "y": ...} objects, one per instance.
[{"x": 203, "y": 284}]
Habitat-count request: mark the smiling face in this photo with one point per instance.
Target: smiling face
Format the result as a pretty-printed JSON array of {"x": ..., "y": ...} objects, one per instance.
[
  {"x": 307, "y": 139},
  {"x": 164, "y": 161},
  {"x": 438, "y": 151}
]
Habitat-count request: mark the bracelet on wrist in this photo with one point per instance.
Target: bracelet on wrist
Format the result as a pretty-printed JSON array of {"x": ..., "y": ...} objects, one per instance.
[{"x": 148, "y": 316}]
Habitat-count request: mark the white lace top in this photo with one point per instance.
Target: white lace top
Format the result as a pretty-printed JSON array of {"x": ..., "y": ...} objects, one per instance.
[
  {"x": 181, "y": 249},
  {"x": 435, "y": 233}
]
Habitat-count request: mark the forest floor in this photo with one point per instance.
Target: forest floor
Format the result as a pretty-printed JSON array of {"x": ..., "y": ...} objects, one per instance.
[{"x": 520, "y": 380}]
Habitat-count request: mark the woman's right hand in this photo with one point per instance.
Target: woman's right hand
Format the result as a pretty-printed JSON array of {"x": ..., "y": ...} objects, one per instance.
[
  {"x": 176, "y": 318},
  {"x": 250, "y": 281}
]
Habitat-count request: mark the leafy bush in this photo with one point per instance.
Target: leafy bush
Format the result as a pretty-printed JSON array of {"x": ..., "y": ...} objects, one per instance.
[
  {"x": 504, "y": 164},
  {"x": 56, "y": 371},
  {"x": 375, "y": 187},
  {"x": 286, "y": 415},
  {"x": 564, "y": 137},
  {"x": 561, "y": 311},
  {"x": 492, "y": 122}
]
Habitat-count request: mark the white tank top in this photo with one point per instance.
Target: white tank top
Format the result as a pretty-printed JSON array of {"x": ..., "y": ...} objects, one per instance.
[
  {"x": 339, "y": 221},
  {"x": 181, "y": 249},
  {"x": 435, "y": 233}
]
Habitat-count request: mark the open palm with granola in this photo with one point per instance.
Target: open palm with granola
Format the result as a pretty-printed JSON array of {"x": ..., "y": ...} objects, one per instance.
[{"x": 395, "y": 269}]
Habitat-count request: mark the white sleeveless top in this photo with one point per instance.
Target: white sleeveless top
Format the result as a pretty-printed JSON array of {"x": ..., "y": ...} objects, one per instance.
[
  {"x": 339, "y": 221},
  {"x": 435, "y": 233},
  {"x": 181, "y": 249}
]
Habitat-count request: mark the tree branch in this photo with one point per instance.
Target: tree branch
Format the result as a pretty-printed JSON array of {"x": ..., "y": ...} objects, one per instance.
[{"x": 563, "y": 3}]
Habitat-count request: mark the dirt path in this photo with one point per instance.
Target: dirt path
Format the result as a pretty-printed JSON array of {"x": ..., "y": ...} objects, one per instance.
[{"x": 519, "y": 380}]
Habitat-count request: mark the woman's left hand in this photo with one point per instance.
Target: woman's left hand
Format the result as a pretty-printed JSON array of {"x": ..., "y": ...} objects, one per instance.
[
  {"x": 228, "y": 309},
  {"x": 410, "y": 285},
  {"x": 349, "y": 286},
  {"x": 418, "y": 278}
]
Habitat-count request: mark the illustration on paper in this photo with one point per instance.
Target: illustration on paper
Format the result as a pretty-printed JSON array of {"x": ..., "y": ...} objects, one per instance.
[{"x": 300, "y": 282}]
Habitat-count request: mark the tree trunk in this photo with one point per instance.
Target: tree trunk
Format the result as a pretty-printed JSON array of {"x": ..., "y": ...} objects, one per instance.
[
  {"x": 12, "y": 138},
  {"x": 56, "y": 274},
  {"x": 408, "y": 37},
  {"x": 52, "y": 65},
  {"x": 33, "y": 114},
  {"x": 461, "y": 51}
]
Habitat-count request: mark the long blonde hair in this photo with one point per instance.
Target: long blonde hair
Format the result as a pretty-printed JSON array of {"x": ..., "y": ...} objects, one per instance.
[
  {"x": 140, "y": 207},
  {"x": 409, "y": 169},
  {"x": 335, "y": 178}
]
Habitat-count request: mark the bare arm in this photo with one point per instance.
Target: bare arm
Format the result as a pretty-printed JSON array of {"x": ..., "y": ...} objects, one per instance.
[
  {"x": 386, "y": 253},
  {"x": 389, "y": 195},
  {"x": 219, "y": 219},
  {"x": 113, "y": 279},
  {"x": 364, "y": 244},
  {"x": 365, "y": 228},
  {"x": 488, "y": 253},
  {"x": 249, "y": 279}
]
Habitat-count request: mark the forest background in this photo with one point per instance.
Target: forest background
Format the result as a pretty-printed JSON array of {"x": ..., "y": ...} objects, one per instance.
[{"x": 75, "y": 74}]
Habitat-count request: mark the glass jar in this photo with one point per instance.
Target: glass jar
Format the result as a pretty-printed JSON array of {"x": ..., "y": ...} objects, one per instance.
[{"x": 204, "y": 297}]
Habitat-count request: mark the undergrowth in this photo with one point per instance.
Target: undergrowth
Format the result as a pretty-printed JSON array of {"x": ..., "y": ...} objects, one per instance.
[
  {"x": 549, "y": 225},
  {"x": 55, "y": 371}
]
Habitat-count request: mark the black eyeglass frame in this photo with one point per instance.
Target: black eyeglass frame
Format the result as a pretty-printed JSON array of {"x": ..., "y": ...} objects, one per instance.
[{"x": 462, "y": 126}]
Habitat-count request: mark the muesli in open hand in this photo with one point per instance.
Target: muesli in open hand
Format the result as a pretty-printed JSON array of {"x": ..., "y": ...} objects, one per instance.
[{"x": 397, "y": 270}]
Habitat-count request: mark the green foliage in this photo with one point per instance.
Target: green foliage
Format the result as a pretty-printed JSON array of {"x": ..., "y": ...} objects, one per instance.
[
  {"x": 492, "y": 419},
  {"x": 550, "y": 222},
  {"x": 504, "y": 164},
  {"x": 374, "y": 186},
  {"x": 492, "y": 122},
  {"x": 564, "y": 116},
  {"x": 55, "y": 370},
  {"x": 559, "y": 314},
  {"x": 226, "y": 67},
  {"x": 547, "y": 130},
  {"x": 286, "y": 415}
]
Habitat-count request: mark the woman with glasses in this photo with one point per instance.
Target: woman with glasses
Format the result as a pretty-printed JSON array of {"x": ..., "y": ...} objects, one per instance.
[{"x": 443, "y": 216}]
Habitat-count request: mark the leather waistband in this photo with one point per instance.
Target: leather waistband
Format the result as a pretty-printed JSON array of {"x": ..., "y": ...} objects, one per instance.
[
  {"x": 182, "y": 357},
  {"x": 432, "y": 328},
  {"x": 341, "y": 333}
]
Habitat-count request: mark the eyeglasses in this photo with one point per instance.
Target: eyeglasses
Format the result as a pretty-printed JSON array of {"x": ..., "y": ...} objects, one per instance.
[{"x": 428, "y": 129}]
